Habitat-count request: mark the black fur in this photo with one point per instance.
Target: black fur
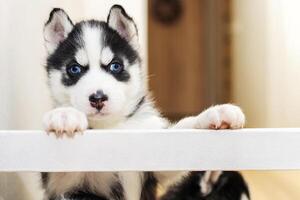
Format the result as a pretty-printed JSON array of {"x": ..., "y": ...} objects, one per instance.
[
  {"x": 122, "y": 76},
  {"x": 119, "y": 45},
  {"x": 45, "y": 178},
  {"x": 137, "y": 107},
  {"x": 230, "y": 186},
  {"x": 117, "y": 192},
  {"x": 149, "y": 187}
]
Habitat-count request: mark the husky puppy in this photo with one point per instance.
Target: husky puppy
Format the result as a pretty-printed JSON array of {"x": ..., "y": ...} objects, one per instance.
[{"x": 98, "y": 81}]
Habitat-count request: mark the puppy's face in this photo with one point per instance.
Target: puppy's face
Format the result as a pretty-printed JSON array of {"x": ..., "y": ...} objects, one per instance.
[{"x": 94, "y": 66}]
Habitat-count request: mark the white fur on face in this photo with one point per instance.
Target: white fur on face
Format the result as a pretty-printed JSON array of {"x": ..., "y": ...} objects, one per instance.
[
  {"x": 106, "y": 56},
  {"x": 96, "y": 78},
  {"x": 92, "y": 45},
  {"x": 81, "y": 57},
  {"x": 58, "y": 90},
  {"x": 93, "y": 80}
]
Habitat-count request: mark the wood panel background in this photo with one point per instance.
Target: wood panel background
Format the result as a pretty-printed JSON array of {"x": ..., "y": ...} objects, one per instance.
[{"x": 189, "y": 60}]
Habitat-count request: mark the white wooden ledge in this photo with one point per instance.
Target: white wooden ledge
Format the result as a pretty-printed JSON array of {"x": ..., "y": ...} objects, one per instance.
[{"x": 119, "y": 150}]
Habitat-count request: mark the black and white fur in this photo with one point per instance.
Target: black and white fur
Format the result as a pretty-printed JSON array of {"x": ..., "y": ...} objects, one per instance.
[{"x": 81, "y": 65}]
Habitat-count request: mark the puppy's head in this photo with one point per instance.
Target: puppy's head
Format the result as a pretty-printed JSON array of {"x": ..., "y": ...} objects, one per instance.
[{"x": 93, "y": 65}]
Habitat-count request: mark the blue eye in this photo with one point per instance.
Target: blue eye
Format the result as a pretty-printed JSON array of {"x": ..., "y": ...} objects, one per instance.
[
  {"x": 115, "y": 67},
  {"x": 74, "y": 70}
]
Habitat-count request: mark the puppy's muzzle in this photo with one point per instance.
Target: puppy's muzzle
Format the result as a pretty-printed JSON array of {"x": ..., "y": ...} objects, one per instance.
[{"x": 97, "y": 99}]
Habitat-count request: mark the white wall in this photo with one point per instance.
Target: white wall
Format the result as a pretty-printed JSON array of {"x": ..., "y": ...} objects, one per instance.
[
  {"x": 24, "y": 93},
  {"x": 249, "y": 59},
  {"x": 284, "y": 63},
  {"x": 266, "y": 61}
]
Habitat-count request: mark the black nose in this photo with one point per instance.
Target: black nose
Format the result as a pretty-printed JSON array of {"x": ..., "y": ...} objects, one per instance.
[{"x": 97, "y": 99}]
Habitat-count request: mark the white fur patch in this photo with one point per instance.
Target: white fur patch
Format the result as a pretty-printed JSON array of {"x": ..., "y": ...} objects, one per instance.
[
  {"x": 100, "y": 182},
  {"x": 81, "y": 57},
  {"x": 106, "y": 56},
  {"x": 58, "y": 89},
  {"x": 208, "y": 180},
  {"x": 132, "y": 184},
  {"x": 96, "y": 79},
  {"x": 92, "y": 44},
  {"x": 244, "y": 197},
  {"x": 60, "y": 183}
]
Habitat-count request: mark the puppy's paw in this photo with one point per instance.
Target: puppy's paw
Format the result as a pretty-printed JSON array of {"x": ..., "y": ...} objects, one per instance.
[
  {"x": 65, "y": 121},
  {"x": 208, "y": 180},
  {"x": 225, "y": 116}
]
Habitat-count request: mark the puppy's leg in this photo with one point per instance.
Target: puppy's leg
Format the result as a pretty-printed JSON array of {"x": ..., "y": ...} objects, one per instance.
[
  {"x": 225, "y": 116},
  {"x": 208, "y": 180},
  {"x": 65, "y": 121}
]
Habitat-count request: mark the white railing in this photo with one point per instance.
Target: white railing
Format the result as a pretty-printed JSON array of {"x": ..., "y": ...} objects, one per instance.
[{"x": 149, "y": 150}]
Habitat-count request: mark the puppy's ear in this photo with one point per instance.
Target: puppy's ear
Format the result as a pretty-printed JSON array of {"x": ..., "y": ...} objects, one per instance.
[
  {"x": 120, "y": 21},
  {"x": 56, "y": 29}
]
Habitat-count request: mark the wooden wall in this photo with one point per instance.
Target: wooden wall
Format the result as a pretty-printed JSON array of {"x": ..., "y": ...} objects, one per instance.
[{"x": 189, "y": 57}]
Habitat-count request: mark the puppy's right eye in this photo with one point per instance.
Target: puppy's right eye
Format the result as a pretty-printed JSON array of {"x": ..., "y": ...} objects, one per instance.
[
  {"x": 115, "y": 67},
  {"x": 74, "y": 70}
]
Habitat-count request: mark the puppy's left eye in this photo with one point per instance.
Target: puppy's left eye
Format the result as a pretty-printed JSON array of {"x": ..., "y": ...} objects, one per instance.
[
  {"x": 116, "y": 67},
  {"x": 74, "y": 70}
]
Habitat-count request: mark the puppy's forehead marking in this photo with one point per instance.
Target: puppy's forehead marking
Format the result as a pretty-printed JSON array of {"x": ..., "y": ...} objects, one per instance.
[
  {"x": 81, "y": 57},
  {"x": 106, "y": 56},
  {"x": 92, "y": 38}
]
